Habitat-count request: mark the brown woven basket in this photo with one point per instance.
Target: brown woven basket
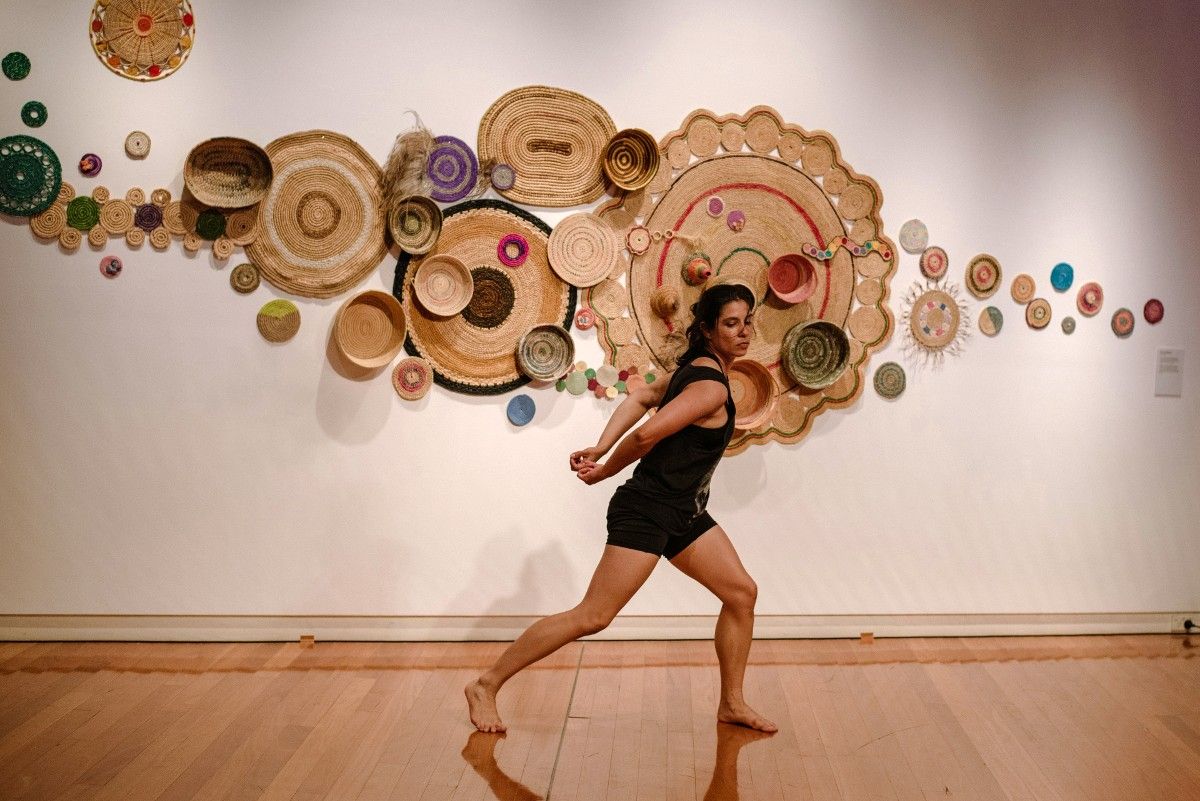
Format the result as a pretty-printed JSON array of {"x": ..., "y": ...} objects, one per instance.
[
  {"x": 227, "y": 172},
  {"x": 415, "y": 223},
  {"x": 631, "y": 158},
  {"x": 369, "y": 329},
  {"x": 553, "y": 139}
]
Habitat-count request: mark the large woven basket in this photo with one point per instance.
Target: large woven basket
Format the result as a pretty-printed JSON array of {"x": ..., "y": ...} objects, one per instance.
[{"x": 227, "y": 172}]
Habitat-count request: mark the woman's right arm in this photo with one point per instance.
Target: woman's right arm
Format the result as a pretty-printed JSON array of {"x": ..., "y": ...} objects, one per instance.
[{"x": 631, "y": 409}]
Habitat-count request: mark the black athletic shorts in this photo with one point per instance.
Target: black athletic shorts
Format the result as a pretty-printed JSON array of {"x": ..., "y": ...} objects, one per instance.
[{"x": 638, "y": 522}]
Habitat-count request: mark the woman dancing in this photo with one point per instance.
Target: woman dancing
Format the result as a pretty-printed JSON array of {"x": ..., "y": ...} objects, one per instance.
[{"x": 660, "y": 511}]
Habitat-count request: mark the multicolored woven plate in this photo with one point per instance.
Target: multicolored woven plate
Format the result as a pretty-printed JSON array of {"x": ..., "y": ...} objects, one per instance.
[
  {"x": 890, "y": 380},
  {"x": 143, "y": 40},
  {"x": 983, "y": 276}
]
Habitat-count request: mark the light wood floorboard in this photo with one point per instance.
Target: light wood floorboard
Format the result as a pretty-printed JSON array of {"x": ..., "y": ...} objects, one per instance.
[{"x": 1086, "y": 718}]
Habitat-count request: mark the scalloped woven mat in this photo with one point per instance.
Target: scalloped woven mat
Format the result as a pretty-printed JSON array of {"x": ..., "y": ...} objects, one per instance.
[
  {"x": 320, "y": 227},
  {"x": 474, "y": 352},
  {"x": 785, "y": 208},
  {"x": 553, "y": 138}
]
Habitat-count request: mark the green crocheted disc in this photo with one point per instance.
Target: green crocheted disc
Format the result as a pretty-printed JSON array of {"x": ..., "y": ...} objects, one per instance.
[
  {"x": 210, "y": 224},
  {"x": 30, "y": 176},
  {"x": 16, "y": 66},
  {"x": 33, "y": 114},
  {"x": 83, "y": 213}
]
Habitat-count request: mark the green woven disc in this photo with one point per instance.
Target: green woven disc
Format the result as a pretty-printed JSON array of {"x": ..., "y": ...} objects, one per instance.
[
  {"x": 30, "y": 176},
  {"x": 33, "y": 114},
  {"x": 210, "y": 225},
  {"x": 83, "y": 213},
  {"x": 16, "y": 66}
]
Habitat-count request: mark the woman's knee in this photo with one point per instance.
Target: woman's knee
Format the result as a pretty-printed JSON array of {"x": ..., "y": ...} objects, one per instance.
[
  {"x": 741, "y": 596},
  {"x": 593, "y": 619}
]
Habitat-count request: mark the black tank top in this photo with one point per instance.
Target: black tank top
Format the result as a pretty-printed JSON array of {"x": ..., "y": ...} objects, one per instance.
[{"x": 677, "y": 470}]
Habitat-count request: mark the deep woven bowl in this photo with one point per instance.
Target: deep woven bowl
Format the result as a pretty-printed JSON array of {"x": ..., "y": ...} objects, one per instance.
[
  {"x": 631, "y": 159},
  {"x": 792, "y": 278},
  {"x": 228, "y": 173},
  {"x": 415, "y": 224},
  {"x": 754, "y": 393},
  {"x": 369, "y": 329},
  {"x": 443, "y": 284},
  {"x": 545, "y": 352},
  {"x": 815, "y": 353}
]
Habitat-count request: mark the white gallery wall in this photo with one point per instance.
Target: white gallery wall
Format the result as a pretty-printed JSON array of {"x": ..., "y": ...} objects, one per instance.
[{"x": 157, "y": 456}]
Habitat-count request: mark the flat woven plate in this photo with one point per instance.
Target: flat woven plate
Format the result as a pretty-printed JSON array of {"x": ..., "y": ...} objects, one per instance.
[
  {"x": 412, "y": 378},
  {"x": 475, "y": 351},
  {"x": 1122, "y": 322},
  {"x": 1023, "y": 288},
  {"x": 1062, "y": 276},
  {"x": 278, "y": 320},
  {"x": 991, "y": 320},
  {"x": 1153, "y": 311},
  {"x": 142, "y": 40},
  {"x": 934, "y": 262},
  {"x": 1038, "y": 313},
  {"x": 584, "y": 249},
  {"x": 1090, "y": 299},
  {"x": 520, "y": 410},
  {"x": 983, "y": 276},
  {"x": 914, "y": 236},
  {"x": 227, "y": 172},
  {"x": 890, "y": 380},
  {"x": 30, "y": 176},
  {"x": 321, "y": 230},
  {"x": 553, "y": 139}
]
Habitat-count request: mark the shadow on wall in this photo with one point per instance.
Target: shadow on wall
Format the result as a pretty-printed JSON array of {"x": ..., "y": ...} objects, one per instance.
[{"x": 547, "y": 566}]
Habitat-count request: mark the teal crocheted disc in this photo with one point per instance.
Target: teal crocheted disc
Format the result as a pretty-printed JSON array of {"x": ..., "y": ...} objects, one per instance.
[
  {"x": 30, "y": 176},
  {"x": 33, "y": 114},
  {"x": 16, "y": 66}
]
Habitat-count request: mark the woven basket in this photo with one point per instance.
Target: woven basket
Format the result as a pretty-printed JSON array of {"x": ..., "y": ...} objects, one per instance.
[
  {"x": 1023, "y": 288},
  {"x": 754, "y": 393},
  {"x": 983, "y": 276},
  {"x": 631, "y": 159},
  {"x": 244, "y": 278},
  {"x": 889, "y": 380},
  {"x": 1090, "y": 299},
  {"x": 792, "y": 278},
  {"x": 474, "y": 352},
  {"x": 545, "y": 352},
  {"x": 415, "y": 224},
  {"x": 320, "y": 226},
  {"x": 228, "y": 173},
  {"x": 553, "y": 139},
  {"x": 815, "y": 353},
  {"x": 584, "y": 249},
  {"x": 443, "y": 284},
  {"x": 137, "y": 145},
  {"x": 369, "y": 329}
]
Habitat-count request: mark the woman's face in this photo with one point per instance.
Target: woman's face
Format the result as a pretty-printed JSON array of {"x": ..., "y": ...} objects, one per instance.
[{"x": 730, "y": 337}]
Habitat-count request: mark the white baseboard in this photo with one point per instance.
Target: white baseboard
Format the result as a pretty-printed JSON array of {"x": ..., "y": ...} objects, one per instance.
[{"x": 282, "y": 628}]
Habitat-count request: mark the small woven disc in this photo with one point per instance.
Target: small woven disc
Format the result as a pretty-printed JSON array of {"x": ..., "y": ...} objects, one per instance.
[
  {"x": 412, "y": 378},
  {"x": 1037, "y": 313},
  {"x": 137, "y": 144},
  {"x": 278, "y": 320},
  {"x": 889, "y": 380},
  {"x": 244, "y": 278},
  {"x": 33, "y": 114},
  {"x": 914, "y": 236}
]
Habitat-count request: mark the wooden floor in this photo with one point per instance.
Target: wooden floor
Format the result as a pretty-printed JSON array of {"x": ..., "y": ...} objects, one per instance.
[{"x": 1055, "y": 718}]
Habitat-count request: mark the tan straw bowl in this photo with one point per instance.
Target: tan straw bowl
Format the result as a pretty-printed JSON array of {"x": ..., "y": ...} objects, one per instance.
[
  {"x": 369, "y": 329},
  {"x": 443, "y": 284},
  {"x": 228, "y": 173}
]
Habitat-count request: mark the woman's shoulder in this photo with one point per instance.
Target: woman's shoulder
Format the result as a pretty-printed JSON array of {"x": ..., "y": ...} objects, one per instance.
[{"x": 703, "y": 363}]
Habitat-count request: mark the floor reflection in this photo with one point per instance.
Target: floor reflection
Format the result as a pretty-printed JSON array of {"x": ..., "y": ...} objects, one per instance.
[{"x": 480, "y": 754}]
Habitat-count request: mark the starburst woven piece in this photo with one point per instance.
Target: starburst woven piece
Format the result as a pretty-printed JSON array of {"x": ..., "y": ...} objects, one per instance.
[
  {"x": 143, "y": 40},
  {"x": 782, "y": 190}
]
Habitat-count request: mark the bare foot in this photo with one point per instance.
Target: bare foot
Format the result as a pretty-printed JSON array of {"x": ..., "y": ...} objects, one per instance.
[
  {"x": 742, "y": 715},
  {"x": 482, "y": 704}
]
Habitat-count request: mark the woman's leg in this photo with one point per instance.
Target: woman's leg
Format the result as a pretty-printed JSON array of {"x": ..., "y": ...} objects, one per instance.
[
  {"x": 618, "y": 576},
  {"x": 712, "y": 561}
]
